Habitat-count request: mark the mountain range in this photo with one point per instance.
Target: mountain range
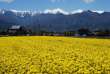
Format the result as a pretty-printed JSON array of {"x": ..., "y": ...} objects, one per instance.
[{"x": 56, "y": 20}]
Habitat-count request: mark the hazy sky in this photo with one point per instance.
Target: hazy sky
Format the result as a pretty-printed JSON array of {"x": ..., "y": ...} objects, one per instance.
[{"x": 67, "y": 5}]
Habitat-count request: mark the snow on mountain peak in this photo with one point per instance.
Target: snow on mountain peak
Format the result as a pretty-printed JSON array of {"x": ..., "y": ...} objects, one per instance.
[
  {"x": 55, "y": 11},
  {"x": 77, "y": 11},
  {"x": 50, "y": 11},
  {"x": 98, "y": 11}
]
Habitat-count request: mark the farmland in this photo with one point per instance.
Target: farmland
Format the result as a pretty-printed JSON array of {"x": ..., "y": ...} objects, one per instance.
[{"x": 54, "y": 55}]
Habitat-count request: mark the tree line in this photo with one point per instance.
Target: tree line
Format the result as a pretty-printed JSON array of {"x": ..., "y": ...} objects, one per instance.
[{"x": 81, "y": 32}]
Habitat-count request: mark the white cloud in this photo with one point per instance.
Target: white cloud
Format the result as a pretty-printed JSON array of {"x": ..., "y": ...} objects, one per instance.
[
  {"x": 56, "y": 0},
  {"x": 7, "y": 1},
  {"x": 88, "y": 1}
]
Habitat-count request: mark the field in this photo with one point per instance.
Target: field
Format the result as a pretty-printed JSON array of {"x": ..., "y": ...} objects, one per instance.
[{"x": 54, "y": 55}]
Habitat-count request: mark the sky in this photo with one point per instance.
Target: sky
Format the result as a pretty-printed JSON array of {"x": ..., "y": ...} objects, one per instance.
[{"x": 67, "y": 5}]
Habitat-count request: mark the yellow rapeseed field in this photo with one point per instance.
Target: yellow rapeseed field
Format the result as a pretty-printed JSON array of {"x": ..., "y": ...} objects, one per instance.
[{"x": 54, "y": 55}]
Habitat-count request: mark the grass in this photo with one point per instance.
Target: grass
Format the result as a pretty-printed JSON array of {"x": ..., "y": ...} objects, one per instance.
[{"x": 54, "y": 55}]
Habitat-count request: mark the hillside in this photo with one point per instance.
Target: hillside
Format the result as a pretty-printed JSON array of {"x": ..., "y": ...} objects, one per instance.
[{"x": 57, "y": 21}]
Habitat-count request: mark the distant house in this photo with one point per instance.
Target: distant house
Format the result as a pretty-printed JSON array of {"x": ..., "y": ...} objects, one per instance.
[{"x": 18, "y": 30}]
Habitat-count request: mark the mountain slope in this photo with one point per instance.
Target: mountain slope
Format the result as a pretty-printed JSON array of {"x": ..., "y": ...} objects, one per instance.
[{"x": 55, "y": 20}]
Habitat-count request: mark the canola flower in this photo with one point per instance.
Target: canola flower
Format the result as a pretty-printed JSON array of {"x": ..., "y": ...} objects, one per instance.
[{"x": 54, "y": 55}]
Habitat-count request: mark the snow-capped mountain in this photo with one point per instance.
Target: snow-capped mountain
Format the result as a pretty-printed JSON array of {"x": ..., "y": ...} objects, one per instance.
[
  {"x": 55, "y": 20},
  {"x": 56, "y": 11},
  {"x": 47, "y": 11}
]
